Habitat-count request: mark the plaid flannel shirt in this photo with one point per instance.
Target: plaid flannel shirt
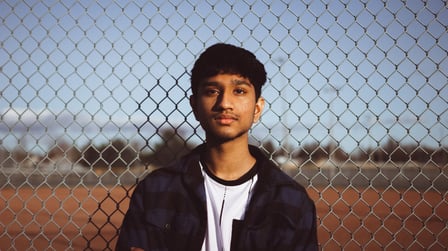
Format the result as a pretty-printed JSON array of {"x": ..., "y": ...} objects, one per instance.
[{"x": 168, "y": 211}]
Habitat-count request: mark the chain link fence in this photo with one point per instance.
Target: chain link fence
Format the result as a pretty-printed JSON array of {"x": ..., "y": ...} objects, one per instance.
[{"x": 94, "y": 95}]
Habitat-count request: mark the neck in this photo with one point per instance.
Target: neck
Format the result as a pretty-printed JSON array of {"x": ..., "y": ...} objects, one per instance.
[{"x": 228, "y": 161}]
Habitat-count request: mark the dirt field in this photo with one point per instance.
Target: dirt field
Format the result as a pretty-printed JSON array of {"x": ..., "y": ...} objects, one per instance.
[{"x": 87, "y": 218}]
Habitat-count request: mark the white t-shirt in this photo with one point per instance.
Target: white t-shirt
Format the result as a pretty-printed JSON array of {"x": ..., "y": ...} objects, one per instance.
[{"x": 226, "y": 201}]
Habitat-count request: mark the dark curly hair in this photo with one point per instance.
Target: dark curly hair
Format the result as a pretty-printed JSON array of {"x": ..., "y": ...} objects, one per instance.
[{"x": 228, "y": 59}]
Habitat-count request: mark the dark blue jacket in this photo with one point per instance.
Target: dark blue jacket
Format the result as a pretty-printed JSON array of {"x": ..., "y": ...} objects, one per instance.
[{"x": 168, "y": 211}]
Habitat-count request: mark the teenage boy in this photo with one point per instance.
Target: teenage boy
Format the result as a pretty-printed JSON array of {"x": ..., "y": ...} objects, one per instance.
[{"x": 225, "y": 194}]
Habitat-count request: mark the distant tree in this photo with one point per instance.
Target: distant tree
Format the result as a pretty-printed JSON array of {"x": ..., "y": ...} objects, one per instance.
[
  {"x": 19, "y": 155},
  {"x": 396, "y": 152},
  {"x": 361, "y": 154},
  {"x": 116, "y": 153},
  {"x": 440, "y": 156},
  {"x": 59, "y": 150},
  {"x": 6, "y": 159},
  {"x": 285, "y": 150},
  {"x": 313, "y": 152},
  {"x": 337, "y": 153},
  {"x": 74, "y": 154},
  {"x": 171, "y": 147},
  {"x": 378, "y": 155},
  {"x": 419, "y": 154},
  {"x": 269, "y": 147},
  {"x": 90, "y": 155}
]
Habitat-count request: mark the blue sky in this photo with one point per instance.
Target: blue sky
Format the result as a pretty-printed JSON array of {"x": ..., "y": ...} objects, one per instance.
[{"x": 355, "y": 73}]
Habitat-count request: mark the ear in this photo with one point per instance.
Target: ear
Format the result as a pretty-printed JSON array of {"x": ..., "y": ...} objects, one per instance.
[
  {"x": 259, "y": 106},
  {"x": 193, "y": 105}
]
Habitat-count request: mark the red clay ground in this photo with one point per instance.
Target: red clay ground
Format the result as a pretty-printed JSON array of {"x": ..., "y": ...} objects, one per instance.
[{"x": 348, "y": 218}]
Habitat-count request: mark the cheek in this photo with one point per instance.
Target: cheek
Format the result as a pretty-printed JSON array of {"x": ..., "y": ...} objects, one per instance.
[
  {"x": 199, "y": 105},
  {"x": 249, "y": 109}
]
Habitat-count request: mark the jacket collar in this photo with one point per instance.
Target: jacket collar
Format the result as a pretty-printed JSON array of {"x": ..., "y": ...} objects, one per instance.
[{"x": 268, "y": 173}]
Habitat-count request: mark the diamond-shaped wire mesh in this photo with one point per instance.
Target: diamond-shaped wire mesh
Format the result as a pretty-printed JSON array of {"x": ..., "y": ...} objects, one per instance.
[{"x": 94, "y": 95}]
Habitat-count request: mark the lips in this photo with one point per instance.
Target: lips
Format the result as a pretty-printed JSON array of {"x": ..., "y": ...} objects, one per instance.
[{"x": 225, "y": 119}]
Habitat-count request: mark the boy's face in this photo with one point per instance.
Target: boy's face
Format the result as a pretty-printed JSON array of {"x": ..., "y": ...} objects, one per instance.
[{"x": 226, "y": 107}]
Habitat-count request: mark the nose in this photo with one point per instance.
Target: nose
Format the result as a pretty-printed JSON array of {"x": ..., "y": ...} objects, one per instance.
[{"x": 224, "y": 101}]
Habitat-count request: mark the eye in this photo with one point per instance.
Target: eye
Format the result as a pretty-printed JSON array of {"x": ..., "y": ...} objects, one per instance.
[
  {"x": 240, "y": 91},
  {"x": 211, "y": 91}
]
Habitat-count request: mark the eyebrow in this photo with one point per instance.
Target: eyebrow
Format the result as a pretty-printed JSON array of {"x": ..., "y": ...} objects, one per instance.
[
  {"x": 241, "y": 82},
  {"x": 235, "y": 82}
]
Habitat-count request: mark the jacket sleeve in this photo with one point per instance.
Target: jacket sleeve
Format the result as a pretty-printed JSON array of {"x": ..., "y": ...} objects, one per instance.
[
  {"x": 307, "y": 228},
  {"x": 132, "y": 232}
]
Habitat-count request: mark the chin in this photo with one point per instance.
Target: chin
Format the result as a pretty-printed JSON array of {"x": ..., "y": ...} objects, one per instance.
[{"x": 225, "y": 137}]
